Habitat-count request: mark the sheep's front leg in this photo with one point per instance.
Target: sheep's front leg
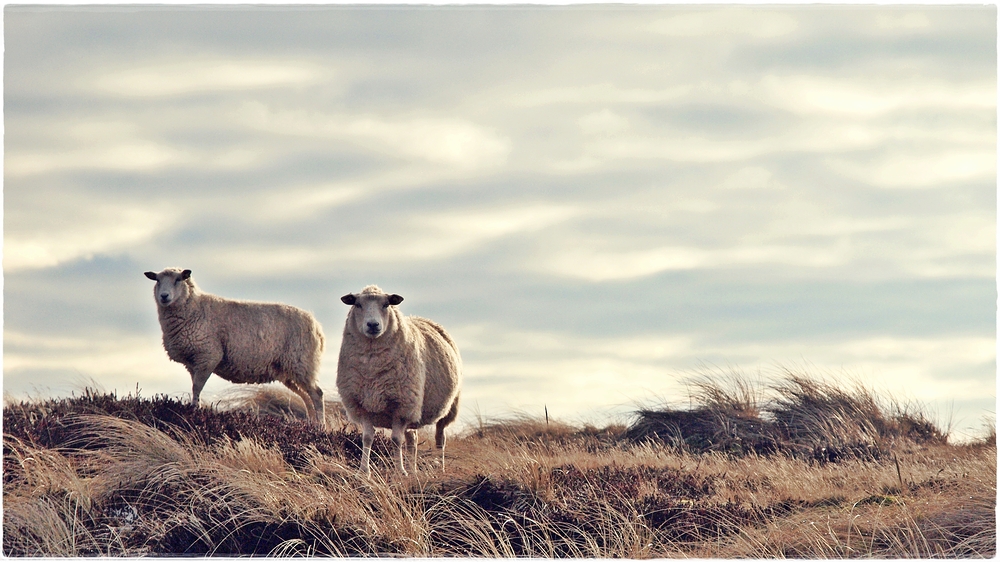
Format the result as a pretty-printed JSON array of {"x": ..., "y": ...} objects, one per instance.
[
  {"x": 398, "y": 429},
  {"x": 199, "y": 376},
  {"x": 367, "y": 438},
  {"x": 201, "y": 367}
]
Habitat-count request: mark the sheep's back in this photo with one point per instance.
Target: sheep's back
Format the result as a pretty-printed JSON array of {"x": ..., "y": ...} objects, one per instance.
[{"x": 261, "y": 340}]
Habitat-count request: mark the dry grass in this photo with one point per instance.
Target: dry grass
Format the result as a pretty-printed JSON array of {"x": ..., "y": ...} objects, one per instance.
[{"x": 99, "y": 475}]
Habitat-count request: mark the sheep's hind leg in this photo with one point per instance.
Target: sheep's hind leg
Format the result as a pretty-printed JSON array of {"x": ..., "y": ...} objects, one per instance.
[
  {"x": 319, "y": 407},
  {"x": 439, "y": 437},
  {"x": 411, "y": 446},
  {"x": 311, "y": 398},
  {"x": 290, "y": 384}
]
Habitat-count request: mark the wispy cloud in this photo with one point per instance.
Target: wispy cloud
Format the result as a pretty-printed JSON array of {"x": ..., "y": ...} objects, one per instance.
[
  {"x": 440, "y": 140},
  {"x": 48, "y": 144},
  {"x": 753, "y": 23},
  {"x": 600, "y": 93},
  {"x": 424, "y": 237},
  {"x": 909, "y": 170},
  {"x": 870, "y": 96},
  {"x": 606, "y": 265},
  {"x": 136, "y": 156},
  {"x": 180, "y": 77},
  {"x": 751, "y": 177}
]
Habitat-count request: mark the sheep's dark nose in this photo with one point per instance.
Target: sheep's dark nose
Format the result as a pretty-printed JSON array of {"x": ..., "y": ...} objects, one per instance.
[
  {"x": 373, "y": 327},
  {"x": 164, "y": 297}
]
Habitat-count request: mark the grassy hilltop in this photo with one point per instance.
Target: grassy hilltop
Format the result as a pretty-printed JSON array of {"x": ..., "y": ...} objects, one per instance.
[{"x": 795, "y": 469}]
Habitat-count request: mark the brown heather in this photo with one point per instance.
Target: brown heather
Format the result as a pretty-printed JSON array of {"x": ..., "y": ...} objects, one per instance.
[{"x": 799, "y": 469}]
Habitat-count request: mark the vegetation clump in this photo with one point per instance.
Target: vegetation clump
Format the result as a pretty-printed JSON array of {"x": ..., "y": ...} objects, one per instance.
[{"x": 803, "y": 417}]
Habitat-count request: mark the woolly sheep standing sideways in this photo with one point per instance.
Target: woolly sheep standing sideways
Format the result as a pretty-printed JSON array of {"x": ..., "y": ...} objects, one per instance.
[
  {"x": 397, "y": 372},
  {"x": 241, "y": 341}
]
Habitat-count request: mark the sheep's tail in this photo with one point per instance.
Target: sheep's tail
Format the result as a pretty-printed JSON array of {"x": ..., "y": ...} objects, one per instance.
[{"x": 320, "y": 336}]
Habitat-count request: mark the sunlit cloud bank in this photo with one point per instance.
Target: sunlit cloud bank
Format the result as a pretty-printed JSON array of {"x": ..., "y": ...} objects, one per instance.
[
  {"x": 81, "y": 230},
  {"x": 42, "y": 364}
]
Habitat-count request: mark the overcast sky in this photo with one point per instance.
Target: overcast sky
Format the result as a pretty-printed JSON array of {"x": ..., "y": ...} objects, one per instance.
[{"x": 595, "y": 201}]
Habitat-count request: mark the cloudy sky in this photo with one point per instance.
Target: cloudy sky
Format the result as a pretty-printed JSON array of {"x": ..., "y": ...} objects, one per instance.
[{"x": 597, "y": 202}]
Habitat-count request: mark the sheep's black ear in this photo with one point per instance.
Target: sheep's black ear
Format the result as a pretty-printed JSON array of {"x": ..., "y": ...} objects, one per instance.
[
  {"x": 348, "y": 299},
  {"x": 395, "y": 299},
  {"x": 185, "y": 274},
  {"x": 151, "y": 275}
]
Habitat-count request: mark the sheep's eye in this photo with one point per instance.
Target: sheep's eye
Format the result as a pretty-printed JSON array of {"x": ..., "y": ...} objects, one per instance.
[
  {"x": 386, "y": 305},
  {"x": 358, "y": 305}
]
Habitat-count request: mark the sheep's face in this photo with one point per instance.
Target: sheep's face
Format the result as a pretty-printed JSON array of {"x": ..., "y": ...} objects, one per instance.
[
  {"x": 371, "y": 313},
  {"x": 170, "y": 285}
]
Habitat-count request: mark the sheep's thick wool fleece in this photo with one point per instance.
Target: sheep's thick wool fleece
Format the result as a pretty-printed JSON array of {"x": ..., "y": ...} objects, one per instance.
[
  {"x": 411, "y": 372},
  {"x": 257, "y": 342}
]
